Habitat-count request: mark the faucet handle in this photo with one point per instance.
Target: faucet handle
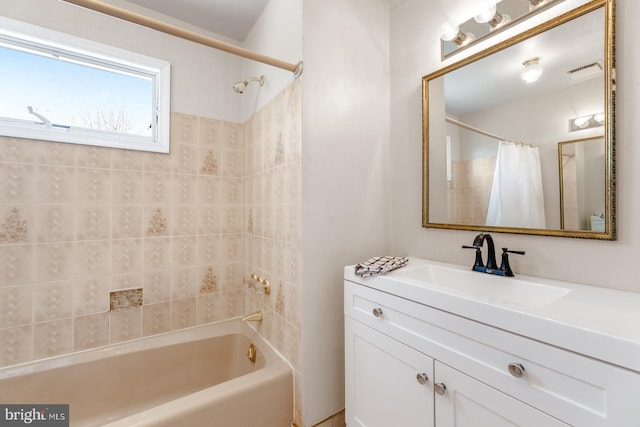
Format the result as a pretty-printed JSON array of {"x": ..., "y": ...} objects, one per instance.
[
  {"x": 505, "y": 267},
  {"x": 478, "y": 264}
]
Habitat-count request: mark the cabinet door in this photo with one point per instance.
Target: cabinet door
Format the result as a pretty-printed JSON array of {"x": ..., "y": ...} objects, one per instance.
[
  {"x": 387, "y": 383},
  {"x": 467, "y": 402}
]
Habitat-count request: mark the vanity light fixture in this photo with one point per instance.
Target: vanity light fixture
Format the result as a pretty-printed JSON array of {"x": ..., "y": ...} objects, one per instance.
[
  {"x": 599, "y": 118},
  {"x": 533, "y": 4},
  {"x": 491, "y": 16},
  {"x": 532, "y": 70},
  {"x": 452, "y": 33},
  {"x": 586, "y": 122}
]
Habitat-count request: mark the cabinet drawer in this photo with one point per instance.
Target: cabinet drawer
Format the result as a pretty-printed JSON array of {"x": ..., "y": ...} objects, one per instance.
[{"x": 573, "y": 388}]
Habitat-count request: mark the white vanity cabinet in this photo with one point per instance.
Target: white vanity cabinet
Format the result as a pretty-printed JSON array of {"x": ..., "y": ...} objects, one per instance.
[
  {"x": 390, "y": 384},
  {"x": 412, "y": 363},
  {"x": 467, "y": 402}
]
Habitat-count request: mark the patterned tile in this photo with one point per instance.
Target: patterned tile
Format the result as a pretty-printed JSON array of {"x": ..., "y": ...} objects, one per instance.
[
  {"x": 93, "y": 222},
  {"x": 209, "y": 282},
  {"x": 55, "y": 185},
  {"x": 183, "y": 313},
  {"x": 184, "y": 159},
  {"x": 93, "y": 157},
  {"x": 15, "y": 150},
  {"x": 125, "y": 325},
  {"x": 128, "y": 159},
  {"x": 54, "y": 261},
  {"x": 209, "y": 190},
  {"x": 52, "y": 338},
  {"x": 54, "y": 223},
  {"x": 208, "y": 249},
  {"x": 126, "y": 221},
  {"x": 157, "y": 188},
  {"x": 94, "y": 185},
  {"x": 209, "y": 308},
  {"x": 126, "y": 256},
  {"x": 17, "y": 345},
  {"x": 156, "y": 318},
  {"x": 185, "y": 189},
  {"x": 16, "y": 306},
  {"x": 184, "y": 220},
  {"x": 184, "y": 128},
  {"x": 17, "y": 183},
  {"x": 54, "y": 153},
  {"x": 91, "y": 295},
  {"x": 91, "y": 331},
  {"x": 209, "y": 163},
  {"x": 208, "y": 220},
  {"x": 127, "y": 187},
  {"x": 53, "y": 301},
  {"x": 14, "y": 228},
  {"x": 157, "y": 225},
  {"x": 209, "y": 132},
  {"x": 156, "y": 253},
  {"x": 183, "y": 283},
  {"x": 92, "y": 258},
  {"x": 157, "y": 286}
]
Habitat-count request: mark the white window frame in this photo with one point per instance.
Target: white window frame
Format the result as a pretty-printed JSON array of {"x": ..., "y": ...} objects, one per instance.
[{"x": 30, "y": 37}]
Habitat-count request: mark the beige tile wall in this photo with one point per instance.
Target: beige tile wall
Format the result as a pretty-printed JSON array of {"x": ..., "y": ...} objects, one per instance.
[
  {"x": 470, "y": 189},
  {"x": 272, "y": 223},
  {"x": 77, "y": 222}
]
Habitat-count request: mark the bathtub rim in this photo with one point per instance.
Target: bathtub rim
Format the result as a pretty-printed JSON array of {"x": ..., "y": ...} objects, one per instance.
[{"x": 176, "y": 336}]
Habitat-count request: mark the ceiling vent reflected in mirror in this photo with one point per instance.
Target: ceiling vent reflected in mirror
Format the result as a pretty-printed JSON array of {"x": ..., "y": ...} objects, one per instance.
[
  {"x": 585, "y": 72},
  {"x": 481, "y": 24}
]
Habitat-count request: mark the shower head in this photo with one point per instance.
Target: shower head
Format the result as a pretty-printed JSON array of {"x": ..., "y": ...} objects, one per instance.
[{"x": 241, "y": 86}]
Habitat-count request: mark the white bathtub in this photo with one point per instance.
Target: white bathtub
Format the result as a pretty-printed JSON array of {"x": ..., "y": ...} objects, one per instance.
[{"x": 199, "y": 376}]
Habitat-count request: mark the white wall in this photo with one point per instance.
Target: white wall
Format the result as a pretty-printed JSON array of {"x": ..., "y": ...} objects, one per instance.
[
  {"x": 345, "y": 185},
  {"x": 277, "y": 33},
  {"x": 414, "y": 53}
]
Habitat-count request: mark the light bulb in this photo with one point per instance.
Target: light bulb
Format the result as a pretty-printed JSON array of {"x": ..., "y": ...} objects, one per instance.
[
  {"x": 581, "y": 122},
  {"x": 485, "y": 15},
  {"x": 532, "y": 70},
  {"x": 599, "y": 118},
  {"x": 449, "y": 32}
]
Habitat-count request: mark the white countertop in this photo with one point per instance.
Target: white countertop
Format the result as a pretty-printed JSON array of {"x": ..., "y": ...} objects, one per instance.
[{"x": 598, "y": 322}]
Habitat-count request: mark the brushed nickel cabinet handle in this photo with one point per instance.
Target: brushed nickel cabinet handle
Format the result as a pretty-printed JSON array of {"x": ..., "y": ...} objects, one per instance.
[
  {"x": 377, "y": 312},
  {"x": 440, "y": 388},
  {"x": 516, "y": 369},
  {"x": 422, "y": 378}
]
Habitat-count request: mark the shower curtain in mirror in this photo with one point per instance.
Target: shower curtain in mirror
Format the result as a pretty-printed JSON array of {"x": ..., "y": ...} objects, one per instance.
[{"x": 516, "y": 195}]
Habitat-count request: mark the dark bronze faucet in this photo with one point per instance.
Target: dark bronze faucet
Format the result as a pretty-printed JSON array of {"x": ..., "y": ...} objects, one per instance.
[{"x": 491, "y": 267}]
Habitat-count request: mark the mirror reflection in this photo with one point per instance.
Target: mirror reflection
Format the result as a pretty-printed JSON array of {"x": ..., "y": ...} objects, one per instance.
[
  {"x": 582, "y": 192},
  {"x": 492, "y": 126}
]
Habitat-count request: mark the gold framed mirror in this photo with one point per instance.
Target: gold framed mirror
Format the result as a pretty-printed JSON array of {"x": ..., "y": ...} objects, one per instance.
[{"x": 490, "y": 156}]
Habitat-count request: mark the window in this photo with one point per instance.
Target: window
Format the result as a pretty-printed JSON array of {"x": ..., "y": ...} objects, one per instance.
[{"x": 58, "y": 87}]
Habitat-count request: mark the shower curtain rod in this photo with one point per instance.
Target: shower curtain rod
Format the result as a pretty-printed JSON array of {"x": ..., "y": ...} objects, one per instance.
[
  {"x": 482, "y": 132},
  {"x": 145, "y": 21}
]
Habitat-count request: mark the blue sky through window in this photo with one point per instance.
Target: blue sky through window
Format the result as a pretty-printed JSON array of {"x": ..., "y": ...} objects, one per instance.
[{"x": 71, "y": 94}]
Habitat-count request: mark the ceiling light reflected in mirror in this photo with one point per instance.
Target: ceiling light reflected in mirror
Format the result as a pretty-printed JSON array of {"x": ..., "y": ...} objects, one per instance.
[
  {"x": 589, "y": 121},
  {"x": 532, "y": 70}
]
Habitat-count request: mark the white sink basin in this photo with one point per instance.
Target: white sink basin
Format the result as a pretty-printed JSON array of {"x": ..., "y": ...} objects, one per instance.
[{"x": 490, "y": 288}]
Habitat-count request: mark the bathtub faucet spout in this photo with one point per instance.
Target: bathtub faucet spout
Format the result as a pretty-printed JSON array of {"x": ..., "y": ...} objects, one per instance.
[{"x": 256, "y": 316}]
